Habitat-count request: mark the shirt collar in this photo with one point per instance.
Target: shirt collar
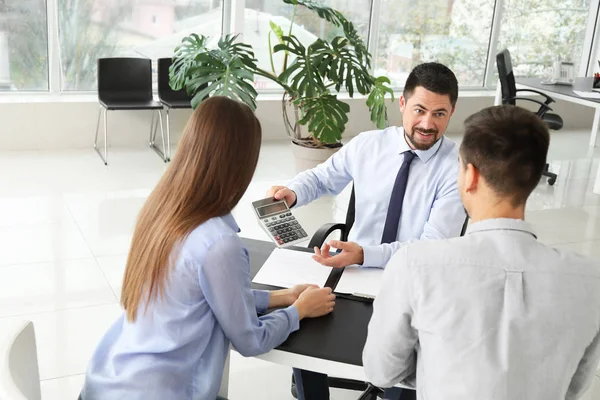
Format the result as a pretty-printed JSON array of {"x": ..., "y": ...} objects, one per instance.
[
  {"x": 501, "y": 224},
  {"x": 424, "y": 155},
  {"x": 230, "y": 221}
]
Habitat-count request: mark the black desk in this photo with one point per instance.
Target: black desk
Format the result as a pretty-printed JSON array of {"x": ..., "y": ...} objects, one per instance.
[
  {"x": 565, "y": 93},
  {"x": 338, "y": 337}
]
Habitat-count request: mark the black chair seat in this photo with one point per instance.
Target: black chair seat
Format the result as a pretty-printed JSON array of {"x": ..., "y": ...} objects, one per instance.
[
  {"x": 177, "y": 103},
  {"x": 554, "y": 121},
  {"x": 131, "y": 105}
]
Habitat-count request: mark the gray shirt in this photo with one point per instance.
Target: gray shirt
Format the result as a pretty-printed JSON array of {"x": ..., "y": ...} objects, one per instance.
[{"x": 492, "y": 315}]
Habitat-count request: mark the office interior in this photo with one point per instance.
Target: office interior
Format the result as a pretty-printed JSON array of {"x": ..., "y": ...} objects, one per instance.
[{"x": 66, "y": 218}]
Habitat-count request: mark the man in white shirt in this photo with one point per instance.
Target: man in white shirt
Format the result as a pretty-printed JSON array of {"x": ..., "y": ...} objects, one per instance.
[
  {"x": 404, "y": 181},
  {"x": 495, "y": 314},
  {"x": 375, "y": 161}
]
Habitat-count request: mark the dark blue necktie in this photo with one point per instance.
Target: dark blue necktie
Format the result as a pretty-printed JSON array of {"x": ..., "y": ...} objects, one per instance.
[{"x": 392, "y": 220}]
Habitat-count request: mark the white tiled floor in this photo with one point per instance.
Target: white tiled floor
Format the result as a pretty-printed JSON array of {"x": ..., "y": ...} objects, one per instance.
[{"x": 66, "y": 222}]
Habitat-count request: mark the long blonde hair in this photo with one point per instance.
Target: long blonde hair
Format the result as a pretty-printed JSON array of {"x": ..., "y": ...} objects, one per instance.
[{"x": 212, "y": 169}]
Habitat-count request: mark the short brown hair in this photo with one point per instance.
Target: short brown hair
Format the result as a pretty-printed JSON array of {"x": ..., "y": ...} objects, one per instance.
[
  {"x": 509, "y": 146},
  {"x": 210, "y": 172}
]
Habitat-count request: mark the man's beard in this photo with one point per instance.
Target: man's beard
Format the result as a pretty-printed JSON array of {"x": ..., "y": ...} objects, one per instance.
[{"x": 422, "y": 146}]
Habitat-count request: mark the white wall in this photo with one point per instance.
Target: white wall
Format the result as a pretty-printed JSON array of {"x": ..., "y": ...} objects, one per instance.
[{"x": 71, "y": 124}]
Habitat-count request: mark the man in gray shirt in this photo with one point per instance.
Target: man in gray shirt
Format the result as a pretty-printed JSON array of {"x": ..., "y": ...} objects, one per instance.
[{"x": 494, "y": 314}]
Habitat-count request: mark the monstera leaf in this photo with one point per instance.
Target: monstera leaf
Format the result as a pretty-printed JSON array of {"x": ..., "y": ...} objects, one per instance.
[
  {"x": 376, "y": 101},
  {"x": 185, "y": 55},
  {"x": 338, "y": 19},
  {"x": 339, "y": 63},
  {"x": 326, "y": 117},
  {"x": 226, "y": 71},
  {"x": 302, "y": 75}
]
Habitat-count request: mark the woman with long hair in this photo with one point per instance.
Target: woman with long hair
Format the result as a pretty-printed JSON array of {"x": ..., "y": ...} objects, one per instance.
[{"x": 186, "y": 290}]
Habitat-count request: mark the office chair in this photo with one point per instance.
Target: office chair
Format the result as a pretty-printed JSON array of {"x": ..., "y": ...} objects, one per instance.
[
  {"x": 126, "y": 84},
  {"x": 317, "y": 240},
  {"x": 509, "y": 96}
]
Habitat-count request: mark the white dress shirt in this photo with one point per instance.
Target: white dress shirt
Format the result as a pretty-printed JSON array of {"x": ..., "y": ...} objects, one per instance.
[
  {"x": 494, "y": 315},
  {"x": 431, "y": 210}
]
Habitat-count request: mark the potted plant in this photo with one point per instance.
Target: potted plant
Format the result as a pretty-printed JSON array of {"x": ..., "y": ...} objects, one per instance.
[{"x": 311, "y": 77}]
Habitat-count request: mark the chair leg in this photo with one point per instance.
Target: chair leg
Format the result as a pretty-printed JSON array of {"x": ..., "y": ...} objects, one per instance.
[
  {"x": 105, "y": 157},
  {"x": 152, "y": 129},
  {"x": 162, "y": 134},
  {"x": 168, "y": 135}
]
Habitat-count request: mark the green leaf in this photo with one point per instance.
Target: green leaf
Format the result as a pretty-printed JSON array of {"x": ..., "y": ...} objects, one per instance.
[
  {"x": 303, "y": 74},
  {"x": 376, "y": 101},
  {"x": 227, "y": 70},
  {"x": 276, "y": 30},
  {"x": 326, "y": 117}
]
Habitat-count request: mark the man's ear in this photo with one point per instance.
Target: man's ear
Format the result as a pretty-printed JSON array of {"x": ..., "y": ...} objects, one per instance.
[
  {"x": 453, "y": 109},
  {"x": 402, "y": 104},
  {"x": 471, "y": 178}
]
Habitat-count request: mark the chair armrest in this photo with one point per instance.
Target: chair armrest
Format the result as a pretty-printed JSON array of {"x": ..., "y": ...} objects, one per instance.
[
  {"x": 548, "y": 98},
  {"x": 543, "y": 106},
  {"x": 321, "y": 234}
]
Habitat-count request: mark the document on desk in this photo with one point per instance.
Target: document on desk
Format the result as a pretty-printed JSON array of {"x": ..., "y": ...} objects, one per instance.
[
  {"x": 359, "y": 281},
  {"x": 286, "y": 268},
  {"x": 587, "y": 95}
]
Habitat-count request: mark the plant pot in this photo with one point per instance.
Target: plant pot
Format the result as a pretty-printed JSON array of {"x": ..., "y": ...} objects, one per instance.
[{"x": 308, "y": 158}]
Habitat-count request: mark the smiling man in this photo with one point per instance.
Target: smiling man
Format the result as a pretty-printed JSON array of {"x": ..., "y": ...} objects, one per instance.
[{"x": 404, "y": 182}]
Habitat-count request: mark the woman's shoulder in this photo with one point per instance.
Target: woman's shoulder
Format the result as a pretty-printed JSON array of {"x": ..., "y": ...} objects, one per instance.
[{"x": 217, "y": 231}]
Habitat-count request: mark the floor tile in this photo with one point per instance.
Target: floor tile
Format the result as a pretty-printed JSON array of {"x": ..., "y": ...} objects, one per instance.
[
  {"x": 66, "y": 339},
  {"x": 113, "y": 268},
  {"x": 62, "y": 388},
  {"x": 58, "y": 285},
  {"x": 42, "y": 243}
]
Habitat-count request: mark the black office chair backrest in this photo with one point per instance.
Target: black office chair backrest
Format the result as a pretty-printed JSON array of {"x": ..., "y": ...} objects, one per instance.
[
  {"x": 164, "y": 89},
  {"x": 350, "y": 215},
  {"x": 506, "y": 76},
  {"x": 126, "y": 80}
]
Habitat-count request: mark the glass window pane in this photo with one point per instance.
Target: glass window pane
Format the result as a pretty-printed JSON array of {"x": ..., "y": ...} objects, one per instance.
[
  {"x": 308, "y": 27},
  {"x": 23, "y": 45},
  {"x": 453, "y": 32},
  {"x": 92, "y": 29},
  {"x": 537, "y": 33}
]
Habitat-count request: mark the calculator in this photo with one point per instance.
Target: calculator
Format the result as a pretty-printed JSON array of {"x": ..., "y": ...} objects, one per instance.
[{"x": 277, "y": 220}]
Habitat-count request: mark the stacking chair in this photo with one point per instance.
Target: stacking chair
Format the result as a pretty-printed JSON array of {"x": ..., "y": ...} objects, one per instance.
[
  {"x": 126, "y": 84},
  {"x": 317, "y": 240},
  {"x": 19, "y": 375},
  {"x": 171, "y": 99},
  {"x": 509, "y": 96}
]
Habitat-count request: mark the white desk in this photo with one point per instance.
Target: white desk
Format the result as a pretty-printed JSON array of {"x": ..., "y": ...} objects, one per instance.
[{"x": 565, "y": 93}]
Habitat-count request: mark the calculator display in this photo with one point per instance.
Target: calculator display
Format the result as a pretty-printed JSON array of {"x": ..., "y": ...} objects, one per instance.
[{"x": 271, "y": 209}]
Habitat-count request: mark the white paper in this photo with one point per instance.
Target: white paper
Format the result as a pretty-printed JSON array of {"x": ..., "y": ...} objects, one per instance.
[
  {"x": 588, "y": 95},
  {"x": 286, "y": 268},
  {"x": 359, "y": 281}
]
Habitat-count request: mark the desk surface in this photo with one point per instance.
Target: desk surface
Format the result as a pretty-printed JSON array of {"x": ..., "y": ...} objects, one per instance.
[
  {"x": 580, "y": 84},
  {"x": 339, "y": 336}
]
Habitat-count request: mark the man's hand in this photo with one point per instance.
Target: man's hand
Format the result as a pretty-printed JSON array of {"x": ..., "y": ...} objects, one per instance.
[
  {"x": 351, "y": 253},
  {"x": 282, "y": 192}
]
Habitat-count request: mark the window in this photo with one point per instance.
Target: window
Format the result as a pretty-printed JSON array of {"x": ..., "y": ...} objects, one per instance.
[
  {"x": 307, "y": 27},
  {"x": 537, "y": 33},
  {"x": 453, "y": 32},
  {"x": 23, "y": 45},
  {"x": 92, "y": 29}
]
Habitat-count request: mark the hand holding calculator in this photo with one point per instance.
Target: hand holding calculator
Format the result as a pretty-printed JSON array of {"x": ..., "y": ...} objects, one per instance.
[{"x": 277, "y": 220}]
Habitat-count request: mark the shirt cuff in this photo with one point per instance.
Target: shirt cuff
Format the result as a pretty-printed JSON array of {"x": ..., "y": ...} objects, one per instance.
[
  {"x": 261, "y": 300},
  {"x": 373, "y": 256},
  {"x": 292, "y": 312},
  {"x": 300, "y": 196}
]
